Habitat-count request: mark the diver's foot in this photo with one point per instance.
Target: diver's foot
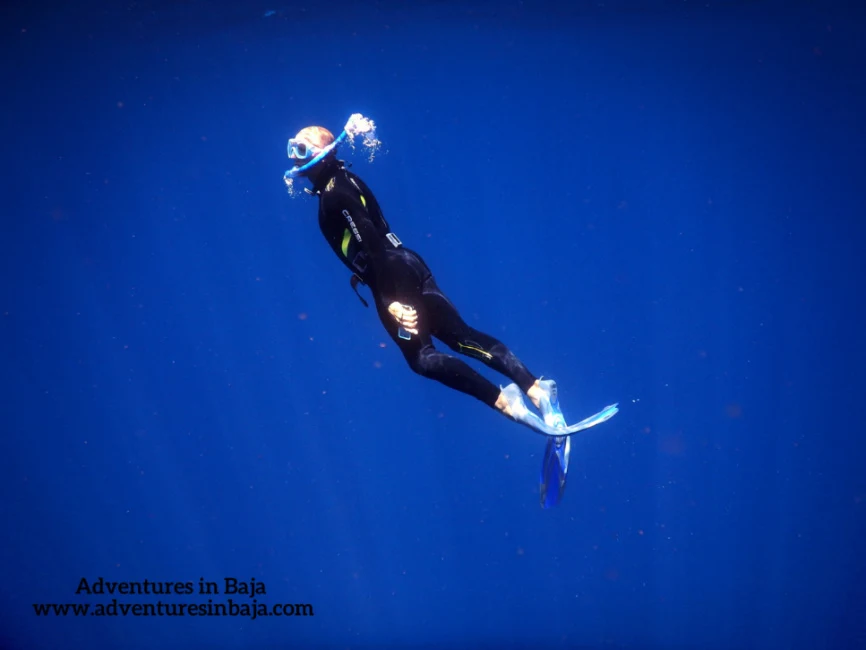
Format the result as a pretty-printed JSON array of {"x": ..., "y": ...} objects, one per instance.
[
  {"x": 549, "y": 403},
  {"x": 512, "y": 404},
  {"x": 535, "y": 394},
  {"x": 503, "y": 406}
]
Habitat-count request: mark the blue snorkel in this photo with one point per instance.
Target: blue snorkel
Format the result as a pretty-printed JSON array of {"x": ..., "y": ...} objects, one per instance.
[
  {"x": 296, "y": 171},
  {"x": 357, "y": 125}
]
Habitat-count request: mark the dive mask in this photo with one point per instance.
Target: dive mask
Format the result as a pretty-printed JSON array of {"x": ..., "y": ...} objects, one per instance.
[{"x": 301, "y": 150}]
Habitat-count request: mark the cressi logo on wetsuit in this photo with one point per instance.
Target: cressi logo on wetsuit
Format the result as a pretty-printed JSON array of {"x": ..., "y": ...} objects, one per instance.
[
  {"x": 352, "y": 226},
  {"x": 358, "y": 260}
]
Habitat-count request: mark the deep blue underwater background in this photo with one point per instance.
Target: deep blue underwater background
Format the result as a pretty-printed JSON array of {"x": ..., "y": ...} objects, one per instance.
[{"x": 653, "y": 202}]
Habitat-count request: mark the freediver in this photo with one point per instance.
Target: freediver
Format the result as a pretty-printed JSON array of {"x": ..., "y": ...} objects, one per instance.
[{"x": 414, "y": 310}]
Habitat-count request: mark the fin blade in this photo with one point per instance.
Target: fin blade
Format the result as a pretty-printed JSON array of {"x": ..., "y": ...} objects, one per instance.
[
  {"x": 602, "y": 416},
  {"x": 554, "y": 468}
]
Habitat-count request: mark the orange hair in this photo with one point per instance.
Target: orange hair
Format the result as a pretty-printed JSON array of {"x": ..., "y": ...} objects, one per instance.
[{"x": 318, "y": 136}]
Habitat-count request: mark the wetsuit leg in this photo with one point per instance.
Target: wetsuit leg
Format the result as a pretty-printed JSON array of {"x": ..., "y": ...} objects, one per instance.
[
  {"x": 448, "y": 326},
  {"x": 424, "y": 359},
  {"x": 419, "y": 351}
]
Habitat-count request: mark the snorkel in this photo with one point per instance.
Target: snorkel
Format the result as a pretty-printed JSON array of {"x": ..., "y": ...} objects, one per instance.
[{"x": 357, "y": 125}]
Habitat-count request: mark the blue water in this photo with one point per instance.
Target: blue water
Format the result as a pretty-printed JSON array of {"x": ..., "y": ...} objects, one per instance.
[{"x": 656, "y": 203}]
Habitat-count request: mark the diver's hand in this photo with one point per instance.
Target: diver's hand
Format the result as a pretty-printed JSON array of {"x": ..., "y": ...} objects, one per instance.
[{"x": 405, "y": 315}]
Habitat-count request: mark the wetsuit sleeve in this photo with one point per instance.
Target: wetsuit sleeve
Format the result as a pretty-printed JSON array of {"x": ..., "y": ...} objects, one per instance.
[{"x": 360, "y": 223}]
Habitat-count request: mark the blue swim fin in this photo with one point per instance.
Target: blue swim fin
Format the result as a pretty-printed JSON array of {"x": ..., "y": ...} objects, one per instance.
[
  {"x": 520, "y": 413},
  {"x": 554, "y": 469}
]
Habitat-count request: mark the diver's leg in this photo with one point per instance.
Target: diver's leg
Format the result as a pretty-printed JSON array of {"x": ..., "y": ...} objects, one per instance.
[
  {"x": 448, "y": 326},
  {"x": 424, "y": 359},
  {"x": 429, "y": 362},
  {"x": 454, "y": 373},
  {"x": 416, "y": 287}
]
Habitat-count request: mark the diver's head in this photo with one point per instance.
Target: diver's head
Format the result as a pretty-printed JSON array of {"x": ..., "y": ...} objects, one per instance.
[{"x": 309, "y": 143}]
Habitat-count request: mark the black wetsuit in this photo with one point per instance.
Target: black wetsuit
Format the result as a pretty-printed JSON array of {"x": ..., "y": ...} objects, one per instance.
[{"x": 356, "y": 230}]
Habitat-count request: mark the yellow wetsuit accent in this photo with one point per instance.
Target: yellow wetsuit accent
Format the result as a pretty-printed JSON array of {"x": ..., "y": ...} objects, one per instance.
[{"x": 478, "y": 351}]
